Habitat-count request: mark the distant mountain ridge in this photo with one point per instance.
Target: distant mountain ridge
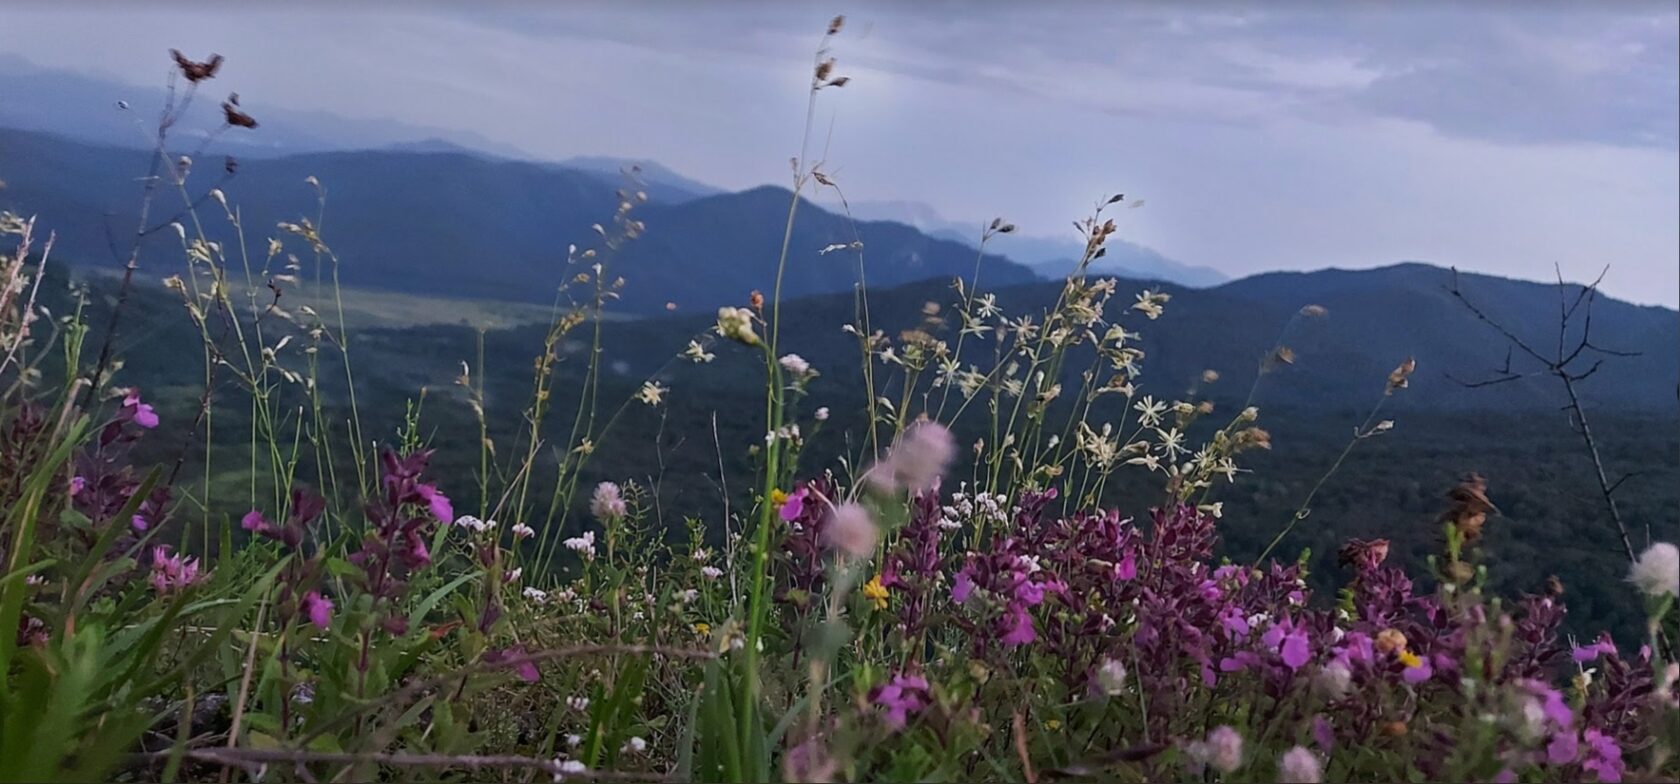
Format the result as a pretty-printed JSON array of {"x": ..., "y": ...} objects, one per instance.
[
  {"x": 469, "y": 225},
  {"x": 1050, "y": 257}
]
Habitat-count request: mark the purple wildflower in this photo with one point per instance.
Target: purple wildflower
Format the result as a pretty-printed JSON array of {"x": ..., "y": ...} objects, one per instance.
[
  {"x": 1018, "y": 625},
  {"x": 138, "y": 411},
  {"x": 1604, "y": 756},
  {"x": 1588, "y": 653},
  {"x": 794, "y": 506},
  {"x": 901, "y": 697},
  {"x": 318, "y": 609}
]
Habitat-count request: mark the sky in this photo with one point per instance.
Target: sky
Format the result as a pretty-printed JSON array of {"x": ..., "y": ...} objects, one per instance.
[{"x": 1499, "y": 137}]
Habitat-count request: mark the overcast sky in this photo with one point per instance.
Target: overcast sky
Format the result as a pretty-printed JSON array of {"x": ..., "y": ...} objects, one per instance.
[{"x": 1504, "y": 138}]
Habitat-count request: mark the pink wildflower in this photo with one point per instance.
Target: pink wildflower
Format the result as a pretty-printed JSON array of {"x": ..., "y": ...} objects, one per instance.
[
  {"x": 172, "y": 573},
  {"x": 1300, "y": 766},
  {"x": 607, "y": 502},
  {"x": 852, "y": 530}
]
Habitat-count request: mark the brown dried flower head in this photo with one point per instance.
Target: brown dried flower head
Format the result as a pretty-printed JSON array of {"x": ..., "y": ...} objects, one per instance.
[
  {"x": 1369, "y": 554},
  {"x": 194, "y": 71},
  {"x": 1390, "y": 640},
  {"x": 1470, "y": 506},
  {"x": 234, "y": 115},
  {"x": 1398, "y": 378}
]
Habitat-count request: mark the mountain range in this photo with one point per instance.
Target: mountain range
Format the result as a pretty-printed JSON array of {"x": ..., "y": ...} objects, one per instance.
[{"x": 466, "y": 225}]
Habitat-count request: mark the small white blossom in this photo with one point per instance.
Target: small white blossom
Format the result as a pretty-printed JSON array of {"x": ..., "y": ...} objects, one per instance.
[
  {"x": 583, "y": 545},
  {"x": 822, "y": 414},
  {"x": 711, "y": 572},
  {"x": 796, "y": 366},
  {"x": 468, "y": 521},
  {"x": 697, "y": 353},
  {"x": 652, "y": 393},
  {"x": 535, "y": 595},
  {"x": 521, "y": 531},
  {"x": 578, "y": 703},
  {"x": 636, "y": 745},
  {"x": 1111, "y": 677},
  {"x": 568, "y": 766}
]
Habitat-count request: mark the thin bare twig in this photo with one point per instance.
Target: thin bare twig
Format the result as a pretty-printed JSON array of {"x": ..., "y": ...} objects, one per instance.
[
  {"x": 254, "y": 760},
  {"x": 1562, "y": 366}
]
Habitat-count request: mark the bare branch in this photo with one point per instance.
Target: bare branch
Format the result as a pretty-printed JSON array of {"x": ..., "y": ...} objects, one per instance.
[{"x": 253, "y": 760}]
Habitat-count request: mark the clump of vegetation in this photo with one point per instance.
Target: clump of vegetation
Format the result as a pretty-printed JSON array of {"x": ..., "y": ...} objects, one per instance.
[{"x": 924, "y": 608}]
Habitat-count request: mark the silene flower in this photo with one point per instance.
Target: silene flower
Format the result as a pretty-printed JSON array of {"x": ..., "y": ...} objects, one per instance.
[
  {"x": 737, "y": 324},
  {"x": 652, "y": 393},
  {"x": 535, "y": 595},
  {"x": 711, "y": 572},
  {"x": 522, "y": 531}
]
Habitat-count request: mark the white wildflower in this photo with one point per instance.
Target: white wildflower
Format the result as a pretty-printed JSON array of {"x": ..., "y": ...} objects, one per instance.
[
  {"x": 652, "y": 393},
  {"x": 737, "y": 324},
  {"x": 1657, "y": 572},
  {"x": 1111, "y": 677},
  {"x": 563, "y": 767},
  {"x": 583, "y": 545},
  {"x": 697, "y": 353},
  {"x": 796, "y": 366}
]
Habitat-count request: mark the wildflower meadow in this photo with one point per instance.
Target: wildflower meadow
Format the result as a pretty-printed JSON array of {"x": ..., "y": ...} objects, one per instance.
[{"x": 261, "y": 585}]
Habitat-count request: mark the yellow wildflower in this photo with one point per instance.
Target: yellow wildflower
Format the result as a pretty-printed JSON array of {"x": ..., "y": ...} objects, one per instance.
[
  {"x": 778, "y": 497},
  {"x": 1410, "y": 659},
  {"x": 703, "y": 629},
  {"x": 875, "y": 592}
]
